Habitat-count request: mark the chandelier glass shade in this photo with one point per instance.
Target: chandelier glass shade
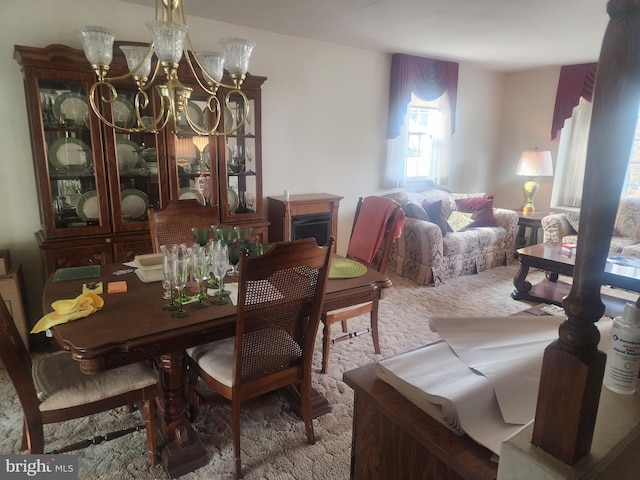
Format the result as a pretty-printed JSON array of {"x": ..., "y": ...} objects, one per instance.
[{"x": 170, "y": 44}]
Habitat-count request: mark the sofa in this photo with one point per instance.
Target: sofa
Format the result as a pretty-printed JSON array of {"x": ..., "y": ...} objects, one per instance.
[
  {"x": 625, "y": 238},
  {"x": 434, "y": 246}
]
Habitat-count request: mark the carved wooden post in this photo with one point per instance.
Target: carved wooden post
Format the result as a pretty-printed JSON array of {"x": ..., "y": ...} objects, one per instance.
[{"x": 573, "y": 368}]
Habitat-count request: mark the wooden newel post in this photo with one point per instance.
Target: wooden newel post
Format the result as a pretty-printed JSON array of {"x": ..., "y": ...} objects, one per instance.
[{"x": 573, "y": 368}]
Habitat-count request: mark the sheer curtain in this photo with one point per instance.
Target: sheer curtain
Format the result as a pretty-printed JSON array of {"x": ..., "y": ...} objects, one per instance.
[
  {"x": 442, "y": 151},
  {"x": 428, "y": 79},
  {"x": 572, "y": 156},
  {"x": 394, "y": 176}
]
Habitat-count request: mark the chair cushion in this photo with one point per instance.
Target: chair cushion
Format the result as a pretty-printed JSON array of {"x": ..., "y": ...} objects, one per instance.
[
  {"x": 60, "y": 383},
  {"x": 216, "y": 359}
]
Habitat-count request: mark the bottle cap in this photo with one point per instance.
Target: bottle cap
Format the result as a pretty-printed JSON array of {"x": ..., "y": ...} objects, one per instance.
[{"x": 631, "y": 315}]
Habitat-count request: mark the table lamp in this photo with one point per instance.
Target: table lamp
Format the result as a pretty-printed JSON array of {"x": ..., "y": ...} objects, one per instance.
[{"x": 532, "y": 164}]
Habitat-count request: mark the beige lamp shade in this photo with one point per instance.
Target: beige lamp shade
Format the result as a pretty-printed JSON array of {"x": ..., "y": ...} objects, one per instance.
[{"x": 533, "y": 163}]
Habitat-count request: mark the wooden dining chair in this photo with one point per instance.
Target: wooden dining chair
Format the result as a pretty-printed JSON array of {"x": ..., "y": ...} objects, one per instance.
[
  {"x": 53, "y": 389},
  {"x": 280, "y": 296},
  {"x": 172, "y": 225},
  {"x": 376, "y": 225}
]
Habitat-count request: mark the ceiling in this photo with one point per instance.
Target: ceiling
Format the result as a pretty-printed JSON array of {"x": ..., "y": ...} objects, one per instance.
[{"x": 503, "y": 35}]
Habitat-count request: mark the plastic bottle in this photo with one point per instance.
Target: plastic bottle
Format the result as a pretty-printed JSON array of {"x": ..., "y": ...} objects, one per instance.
[{"x": 623, "y": 356}]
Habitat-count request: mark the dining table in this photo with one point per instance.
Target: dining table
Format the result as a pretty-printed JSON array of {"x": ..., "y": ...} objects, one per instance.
[{"x": 132, "y": 326}]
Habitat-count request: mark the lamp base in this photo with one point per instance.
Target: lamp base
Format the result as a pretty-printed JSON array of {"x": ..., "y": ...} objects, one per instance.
[{"x": 530, "y": 187}]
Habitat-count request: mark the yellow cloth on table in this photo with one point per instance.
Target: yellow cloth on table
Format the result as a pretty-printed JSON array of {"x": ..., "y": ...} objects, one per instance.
[{"x": 67, "y": 310}]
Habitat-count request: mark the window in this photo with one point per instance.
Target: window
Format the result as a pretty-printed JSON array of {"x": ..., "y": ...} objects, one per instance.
[
  {"x": 572, "y": 155},
  {"x": 421, "y": 152},
  {"x": 425, "y": 125}
]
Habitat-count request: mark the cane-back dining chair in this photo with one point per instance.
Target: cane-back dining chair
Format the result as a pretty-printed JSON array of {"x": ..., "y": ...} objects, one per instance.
[
  {"x": 53, "y": 389},
  {"x": 280, "y": 296},
  {"x": 172, "y": 225},
  {"x": 377, "y": 223}
]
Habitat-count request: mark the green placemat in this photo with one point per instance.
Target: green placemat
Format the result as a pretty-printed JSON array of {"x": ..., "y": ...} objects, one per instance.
[
  {"x": 76, "y": 273},
  {"x": 346, "y": 268}
]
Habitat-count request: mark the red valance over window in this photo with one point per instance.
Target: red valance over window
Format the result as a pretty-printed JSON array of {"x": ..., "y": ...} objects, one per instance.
[
  {"x": 426, "y": 78},
  {"x": 575, "y": 81}
]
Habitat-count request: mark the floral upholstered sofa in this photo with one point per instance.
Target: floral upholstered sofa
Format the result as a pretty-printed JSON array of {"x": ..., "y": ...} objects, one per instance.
[
  {"x": 625, "y": 239},
  {"x": 430, "y": 252}
]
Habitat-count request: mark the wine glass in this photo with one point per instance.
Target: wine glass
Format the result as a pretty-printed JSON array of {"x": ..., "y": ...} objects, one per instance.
[
  {"x": 220, "y": 264},
  {"x": 168, "y": 253},
  {"x": 248, "y": 153},
  {"x": 201, "y": 235},
  {"x": 180, "y": 275},
  {"x": 200, "y": 273}
]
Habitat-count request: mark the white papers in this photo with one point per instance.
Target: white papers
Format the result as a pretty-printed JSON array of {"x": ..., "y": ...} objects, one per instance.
[
  {"x": 483, "y": 378},
  {"x": 508, "y": 351},
  {"x": 439, "y": 383}
]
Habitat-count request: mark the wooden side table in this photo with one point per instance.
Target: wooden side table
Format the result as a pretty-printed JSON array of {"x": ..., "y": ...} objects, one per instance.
[{"x": 532, "y": 221}]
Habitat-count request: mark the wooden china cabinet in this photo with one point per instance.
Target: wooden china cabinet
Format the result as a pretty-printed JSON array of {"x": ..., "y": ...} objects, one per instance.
[{"x": 96, "y": 184}]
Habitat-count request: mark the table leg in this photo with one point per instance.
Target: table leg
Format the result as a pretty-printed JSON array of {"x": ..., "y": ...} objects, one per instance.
[
  {"x": 182, "y": 451},
  {"x": 520, "y": 282}
]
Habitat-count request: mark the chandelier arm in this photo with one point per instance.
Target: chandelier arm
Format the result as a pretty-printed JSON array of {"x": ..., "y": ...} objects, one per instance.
[
  {"x": 245, "y": 101},
  {"x": 93, "y": 94}
]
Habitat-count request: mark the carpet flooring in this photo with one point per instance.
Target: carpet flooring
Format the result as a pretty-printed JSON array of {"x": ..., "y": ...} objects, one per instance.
[{"x": 273, "y": 442}]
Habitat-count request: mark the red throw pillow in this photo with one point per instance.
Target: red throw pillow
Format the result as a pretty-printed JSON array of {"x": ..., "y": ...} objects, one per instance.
[
  {"x": 481, "y": 208},
  {"x": 434, "y": 210}
]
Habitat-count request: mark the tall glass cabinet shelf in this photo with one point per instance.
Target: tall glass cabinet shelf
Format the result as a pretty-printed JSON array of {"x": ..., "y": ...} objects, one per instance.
[{"x": 95, "y": 184}]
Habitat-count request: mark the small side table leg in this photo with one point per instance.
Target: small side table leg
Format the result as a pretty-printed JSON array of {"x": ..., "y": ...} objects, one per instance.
[{"x": 523, "y": 287}]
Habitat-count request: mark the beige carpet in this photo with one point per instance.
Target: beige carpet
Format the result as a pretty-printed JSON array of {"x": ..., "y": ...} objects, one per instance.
[{"x": 272, "y": 439}]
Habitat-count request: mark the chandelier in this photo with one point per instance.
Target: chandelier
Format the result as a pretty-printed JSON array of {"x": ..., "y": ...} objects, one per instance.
[{"x": 170, "y": 42}]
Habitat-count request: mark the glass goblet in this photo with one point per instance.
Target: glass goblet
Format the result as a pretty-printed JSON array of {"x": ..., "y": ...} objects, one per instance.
[
  {"x": 180, "y": 275},
  {"x": 168, "y": 253},
  {"x": 220, "y": 264},
  {"x": 201, "y": 235},
  {"x": 200, "y": 273}
]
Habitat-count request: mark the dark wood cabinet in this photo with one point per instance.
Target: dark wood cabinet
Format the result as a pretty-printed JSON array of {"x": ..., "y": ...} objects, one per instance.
[{"x": 96, "y": 184}]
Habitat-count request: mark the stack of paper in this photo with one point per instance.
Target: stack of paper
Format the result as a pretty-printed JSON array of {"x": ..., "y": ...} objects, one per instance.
[{"x": 482, "y": 379}]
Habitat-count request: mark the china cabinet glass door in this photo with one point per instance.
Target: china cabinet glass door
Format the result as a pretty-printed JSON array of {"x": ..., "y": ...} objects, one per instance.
[
  {"x": 76, "y": 185},
  {"x": 240, "y": 165},
  {"x": 133, "y": 163}
]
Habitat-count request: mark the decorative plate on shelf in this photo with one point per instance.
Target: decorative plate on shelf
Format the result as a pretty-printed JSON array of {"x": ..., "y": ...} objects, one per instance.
[
  {"x": 232, "y": 200},
  {"x": 188, "y": 192},
  {"x": 87, "y": 206},
  {"x": 70, "y": 155},
  {"x": 128, "y": 153},
  {"x": 123, "y": 113},
  {"x": 195, "y": 114},
  {"x": 71, "y": 106},
  {"x": 134, "y": 203}
]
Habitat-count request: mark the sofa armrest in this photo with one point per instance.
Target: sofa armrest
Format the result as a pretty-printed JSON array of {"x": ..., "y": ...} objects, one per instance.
[
  {"x": 418, "y": 250},
  {"x": 555, "y": 227},
  {"x": 507, "y": 219}
]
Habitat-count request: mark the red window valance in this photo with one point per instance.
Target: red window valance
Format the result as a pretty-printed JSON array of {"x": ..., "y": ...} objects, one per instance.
[
  {"x": 575, "y": 81},
  {"x": 426, "y": 78}
]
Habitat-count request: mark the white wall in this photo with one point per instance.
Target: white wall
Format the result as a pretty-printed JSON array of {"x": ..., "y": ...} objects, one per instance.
[
  {"x": 525, "y": 123},
  {"x": 324, "y": 116}
]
